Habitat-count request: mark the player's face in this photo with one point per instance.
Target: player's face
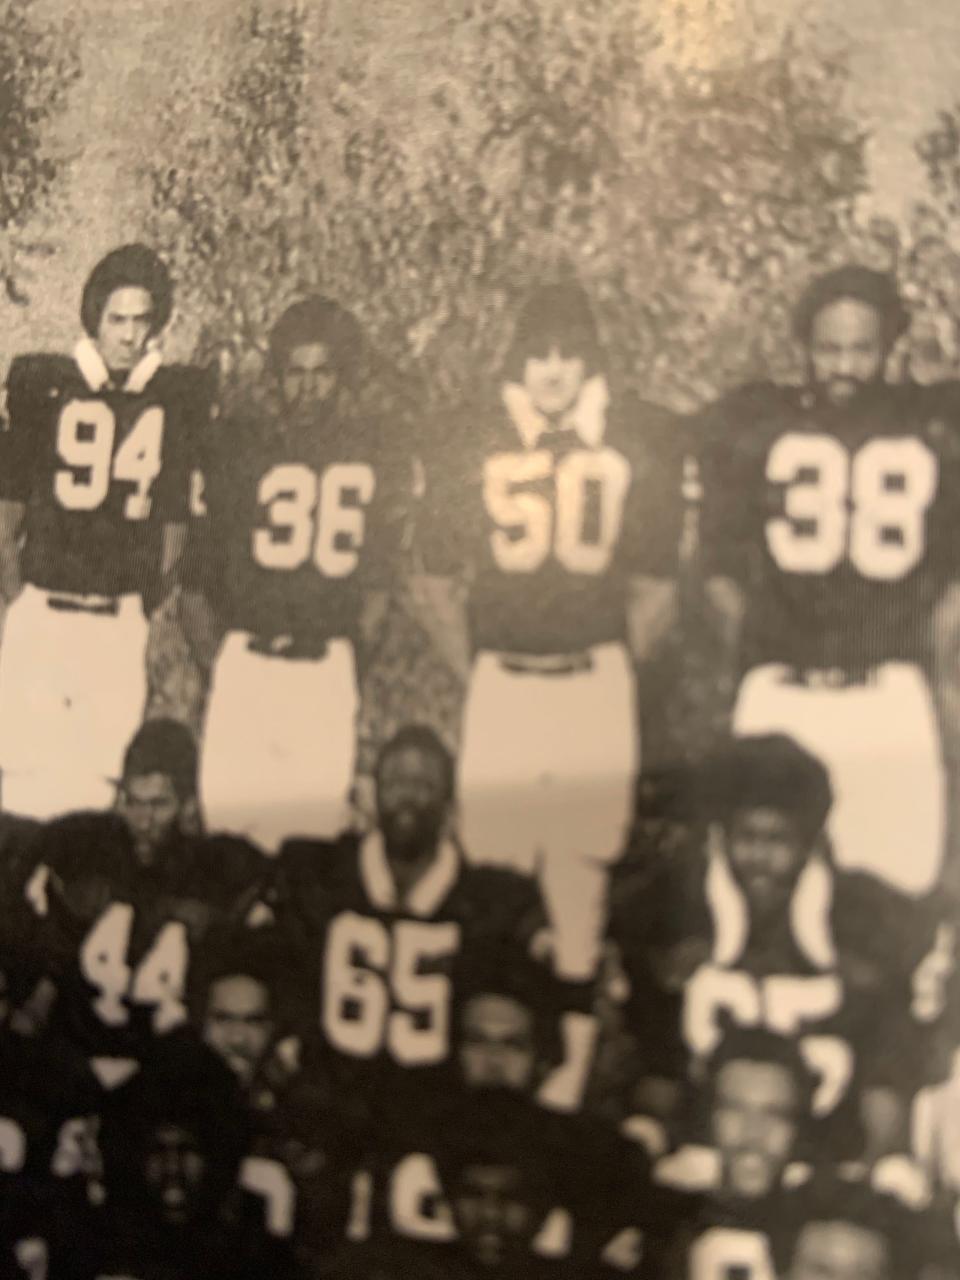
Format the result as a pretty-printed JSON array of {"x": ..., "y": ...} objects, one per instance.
[
  {"x": 553, "y": 380},
  {"x": 846, "y": 348},
  {"x": 175, "y": 1172},
  {"x": 754, "y": 1125},
  {"x": 151, "y": 808},
  {"x": 411, "y": 800},
  {"x": 840, "y": 1251},
  {"x": 766, "y": 855},
  {"x": 308, "y": 381},
  {"x": 497, "y": 1046},
  {"x": 238, "y": 1023},
  {"x": 496, "y": 1222},
  {"x": 125, "y": 327}
]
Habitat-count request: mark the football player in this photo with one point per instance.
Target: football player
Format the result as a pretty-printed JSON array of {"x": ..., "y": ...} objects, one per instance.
[
  {"x": 839, "y": 1230},
  {"x": 507, "y": 1037},
  {"x": 240, "y": 1007},
  {"x": 95, "y": 464},
  {"x": 172, "y": 1141},
  {"x": 286, "y": 575},
  {"x": 754, "y": 927},
  {"x": 381, "y": 919},
  {"x": 118, "y": 936},
  {"x": 827, "y": 526},
  {"x": 753, "y": 1109},
  {"x": 157, "y": 793},
  {"x": 557, "y": 502}
]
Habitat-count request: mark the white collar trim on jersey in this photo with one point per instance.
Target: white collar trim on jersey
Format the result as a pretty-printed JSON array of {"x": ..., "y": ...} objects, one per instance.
[
  {"x": 588, "y": 417},
  {"x": 97, "y": 375},
  {"x": 809, "y": 909},
  {"x": 425, "y": 896}
]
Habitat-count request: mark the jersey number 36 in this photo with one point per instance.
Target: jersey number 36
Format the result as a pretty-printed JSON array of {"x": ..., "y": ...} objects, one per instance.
[
  {"x": 869, "y": 507},
  {"x": 308, "y": 517}
]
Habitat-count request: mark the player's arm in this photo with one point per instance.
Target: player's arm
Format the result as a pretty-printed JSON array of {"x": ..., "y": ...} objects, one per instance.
[{"x": 19, "y": 442}]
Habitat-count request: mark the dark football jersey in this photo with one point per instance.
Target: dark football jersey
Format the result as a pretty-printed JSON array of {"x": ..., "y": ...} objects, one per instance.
[
  {"x": 100, "y": 472},
  {"x": 298, "y": 526},
  {"x": 377, "y": 985},
  {"x": 839, "y": 523},
  {"x": 120, "y": 937},
  {"x": 551, "y": 530},
  {"x": 737, "y": 1240},
  {"x": 606, "y": 1205}
]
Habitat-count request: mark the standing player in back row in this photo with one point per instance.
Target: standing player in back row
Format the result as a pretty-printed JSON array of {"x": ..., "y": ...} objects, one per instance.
[
  {"x": 558, "y": 501},
  {"x": 829, "y": 516},
  {"x": 94, "y": 483},
  {"x": 285, "y": 577}
]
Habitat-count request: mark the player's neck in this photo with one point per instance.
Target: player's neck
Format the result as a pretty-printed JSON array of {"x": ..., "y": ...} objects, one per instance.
[{"x": 407, "y": 868}]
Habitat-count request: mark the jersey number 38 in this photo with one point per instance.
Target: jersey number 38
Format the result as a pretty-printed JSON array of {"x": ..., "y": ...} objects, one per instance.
[{"x": 869, "y": 507}]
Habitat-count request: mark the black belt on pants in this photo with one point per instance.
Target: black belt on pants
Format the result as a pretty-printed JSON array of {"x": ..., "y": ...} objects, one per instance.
[
  {"x": 545, "y": 664},
  {"x": 105, "y": 606}
]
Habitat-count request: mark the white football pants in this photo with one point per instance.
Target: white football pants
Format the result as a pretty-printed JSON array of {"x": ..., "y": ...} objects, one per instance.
[
  {"x": 73, "y": 686},
  {"x": 546, "y": 782},
  {"x": 279, "y": 743},
  {"x": 881, "y": 746}
]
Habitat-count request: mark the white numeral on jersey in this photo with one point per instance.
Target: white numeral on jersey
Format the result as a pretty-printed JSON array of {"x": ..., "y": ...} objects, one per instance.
[
  {"x": 530, "y": 526},
  {"x": 871, "y": 508},
  {"x": 367, "y": 972},
  {"x": 85, "y": 438},
  {"x": 160, "y": 977},
  {"x": 270, "y": 1180},
  {"x": 727, "y": 1253},
  {"x": 13, "y": 1146},
  {"x": 308, "y": 516}
]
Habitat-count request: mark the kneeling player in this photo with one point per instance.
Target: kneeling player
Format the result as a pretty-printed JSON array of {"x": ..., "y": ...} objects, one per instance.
[
  {"x": 559, "y": 502},
  {"x": 828, "y": 530},
  {"x": 94, "y": 486},
  {"x": 286, "y": 577}
]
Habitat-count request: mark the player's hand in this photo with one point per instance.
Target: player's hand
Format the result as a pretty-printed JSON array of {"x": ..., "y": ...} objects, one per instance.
[{"x": 11, "y": 583}]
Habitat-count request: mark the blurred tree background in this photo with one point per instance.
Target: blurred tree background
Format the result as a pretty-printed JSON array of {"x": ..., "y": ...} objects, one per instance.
[
  {"x": 537, "y": 140},
  {"x": 38, "y": 66}
]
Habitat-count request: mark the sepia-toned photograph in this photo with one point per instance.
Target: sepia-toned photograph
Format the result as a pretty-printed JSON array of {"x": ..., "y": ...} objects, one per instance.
[{"x": 479, "y": 640}]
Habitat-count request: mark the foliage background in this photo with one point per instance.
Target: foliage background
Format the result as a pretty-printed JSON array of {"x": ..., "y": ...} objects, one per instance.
[{"x": 425, "y": 164}]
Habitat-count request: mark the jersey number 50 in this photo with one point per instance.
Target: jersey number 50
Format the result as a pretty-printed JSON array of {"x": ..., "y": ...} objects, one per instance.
[
  {"x": 870, "y": 507},
  {"x": 85, "y": 440},
  {"x": 376, "y": 994},
  {"x": 308, "y": 517},
  {"x": 590, "y": 489}
]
